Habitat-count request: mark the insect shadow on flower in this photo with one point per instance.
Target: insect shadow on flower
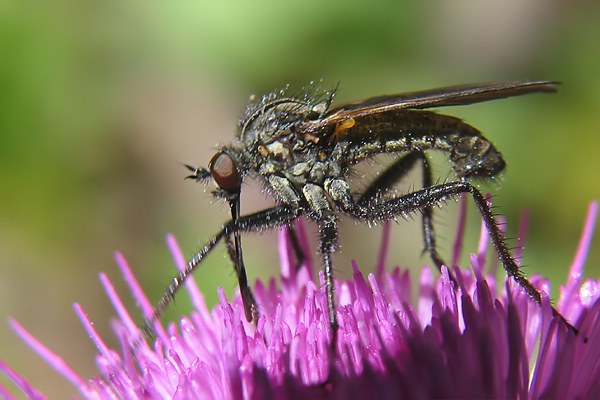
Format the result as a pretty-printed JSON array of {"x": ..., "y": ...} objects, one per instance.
[{"x": 303, "y": 151}]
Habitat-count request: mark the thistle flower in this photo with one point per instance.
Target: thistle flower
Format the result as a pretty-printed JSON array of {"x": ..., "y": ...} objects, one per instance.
[{"x": 483, "y": 340}]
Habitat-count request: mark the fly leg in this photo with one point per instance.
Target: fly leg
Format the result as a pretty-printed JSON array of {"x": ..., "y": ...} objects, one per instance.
[
  {"x": 269, "y": 218},
  {"x": 389, "y": 177},
  {"x": 392, "y": 175},
  {"x": 320, "y": 210},
  {"x": 296, "y": 245},
  {"x": 432, "y": 196},
  {"x": 235, "y": 254}
]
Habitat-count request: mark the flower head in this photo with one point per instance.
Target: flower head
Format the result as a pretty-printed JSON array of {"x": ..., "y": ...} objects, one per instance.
[{"x": 480, "y": 340}]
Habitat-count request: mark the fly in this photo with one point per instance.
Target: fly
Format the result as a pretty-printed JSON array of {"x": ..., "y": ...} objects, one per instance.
[{"x": 302, "y": 151}]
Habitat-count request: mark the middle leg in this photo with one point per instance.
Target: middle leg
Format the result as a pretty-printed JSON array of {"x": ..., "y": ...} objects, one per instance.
[
  {"x": 429, "y": 197},
  {"x": 392, "y": 175}
]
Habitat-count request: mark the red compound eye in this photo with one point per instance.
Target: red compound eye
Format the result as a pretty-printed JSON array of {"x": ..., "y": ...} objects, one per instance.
[{"x": 224, "y": 172}]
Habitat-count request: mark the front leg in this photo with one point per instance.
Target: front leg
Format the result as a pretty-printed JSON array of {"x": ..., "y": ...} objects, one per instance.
[
  {"x": 237, "y": 258},
  {"x": 266, "y": 219}
]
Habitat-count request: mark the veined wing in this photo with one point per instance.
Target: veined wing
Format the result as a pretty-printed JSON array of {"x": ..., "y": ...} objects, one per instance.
[{"x": 441, "y": 97}]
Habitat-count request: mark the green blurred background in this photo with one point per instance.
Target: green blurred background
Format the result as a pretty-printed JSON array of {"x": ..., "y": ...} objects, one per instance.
[{"x": 99, "y": 101}]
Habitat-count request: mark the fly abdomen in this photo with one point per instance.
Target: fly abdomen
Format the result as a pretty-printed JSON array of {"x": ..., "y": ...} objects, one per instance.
[
  {"x": 474, "y": 156},
  {"x": 412, "y": 130}
]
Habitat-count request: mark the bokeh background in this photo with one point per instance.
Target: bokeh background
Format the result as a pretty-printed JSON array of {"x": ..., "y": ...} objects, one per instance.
[{"x": 100, "y": 101}]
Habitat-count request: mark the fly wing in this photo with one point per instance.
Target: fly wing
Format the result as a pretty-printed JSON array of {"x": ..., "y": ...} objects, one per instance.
[{"x": 441, "y": 97}]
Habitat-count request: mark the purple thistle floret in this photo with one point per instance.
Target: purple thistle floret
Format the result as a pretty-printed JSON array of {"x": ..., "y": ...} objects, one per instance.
[{"x": 484, "y": 340}]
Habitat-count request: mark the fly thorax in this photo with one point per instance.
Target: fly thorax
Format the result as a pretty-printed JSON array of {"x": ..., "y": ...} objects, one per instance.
[{"x": 274, "y": 157}]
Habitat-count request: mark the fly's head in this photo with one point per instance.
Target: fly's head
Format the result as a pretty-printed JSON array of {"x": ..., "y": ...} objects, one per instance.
[{"x": 226, "y": 172}]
